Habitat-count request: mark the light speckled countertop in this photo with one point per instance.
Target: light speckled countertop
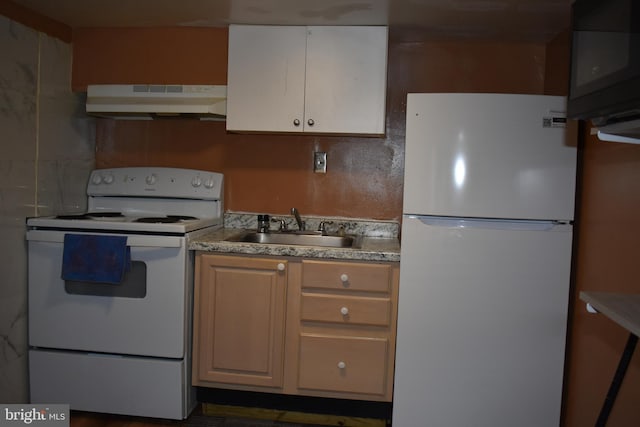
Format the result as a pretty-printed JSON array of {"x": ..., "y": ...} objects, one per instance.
[{"x": 380, "y": 241}]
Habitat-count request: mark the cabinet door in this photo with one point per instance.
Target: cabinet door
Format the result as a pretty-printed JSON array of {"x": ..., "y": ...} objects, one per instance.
[
  {"x": 346, "y": 79},
  {"x": 240, "y": 310},
  {"x": 265, "y": 81}
]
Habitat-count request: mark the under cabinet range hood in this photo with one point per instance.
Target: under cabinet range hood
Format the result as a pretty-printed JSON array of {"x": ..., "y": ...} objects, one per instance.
[{"x": 147, "y": 102}]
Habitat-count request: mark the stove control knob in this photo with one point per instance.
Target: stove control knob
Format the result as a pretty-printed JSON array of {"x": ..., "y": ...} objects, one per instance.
[
  {"x": 96, "y": 179},
  {"x": 107, "y": 179},
  {"x": 209, "y": 183},
  {"x": 151, "y": 179},
  {"x": 196, "y": 182}
]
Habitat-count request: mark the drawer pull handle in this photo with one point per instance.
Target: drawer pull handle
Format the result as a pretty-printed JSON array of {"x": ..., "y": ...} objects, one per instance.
[
  {"x": 342, "y": 365},
  {"x": 344, "y": 311},
  {"x": 281, "y": 266},
  {"x": 344, "y": 278}
]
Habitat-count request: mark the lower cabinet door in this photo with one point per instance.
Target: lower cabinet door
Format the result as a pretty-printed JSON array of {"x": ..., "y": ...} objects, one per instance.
[
  {"x": 343, "y": 364},
  {"x": 241, "y": 314}
]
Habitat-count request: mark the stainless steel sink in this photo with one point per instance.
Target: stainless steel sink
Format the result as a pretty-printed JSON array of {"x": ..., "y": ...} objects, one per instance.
[{"x": 297, "y": 238}]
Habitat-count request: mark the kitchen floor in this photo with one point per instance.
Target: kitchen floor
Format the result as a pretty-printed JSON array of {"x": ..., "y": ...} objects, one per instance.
[
  {"x": 89, "y": 419},
  {"x": 86, "y": 419}
]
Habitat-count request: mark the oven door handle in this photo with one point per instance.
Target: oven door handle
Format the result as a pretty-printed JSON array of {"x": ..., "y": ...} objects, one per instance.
[{"x": 132, "y": 240}]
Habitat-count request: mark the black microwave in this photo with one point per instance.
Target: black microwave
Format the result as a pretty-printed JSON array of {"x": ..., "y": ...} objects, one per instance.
[{"x": 605, "y": 61}]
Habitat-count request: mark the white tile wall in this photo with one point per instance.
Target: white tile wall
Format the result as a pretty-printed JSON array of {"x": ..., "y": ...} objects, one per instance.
[{"x": 46, "y": 154}]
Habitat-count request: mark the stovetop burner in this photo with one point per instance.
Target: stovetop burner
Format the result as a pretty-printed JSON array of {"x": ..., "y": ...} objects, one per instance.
[
  {"x": 91, "y": 215},
  {"x": 105, "y": 215},
  {"x": 72, "y": 216},
  {"x": 169, "y": 219},
  {"x": 182, "y": 217}
]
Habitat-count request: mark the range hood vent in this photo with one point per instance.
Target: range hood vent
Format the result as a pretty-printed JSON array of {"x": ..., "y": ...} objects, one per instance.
[{"x": 147, "y": 102}]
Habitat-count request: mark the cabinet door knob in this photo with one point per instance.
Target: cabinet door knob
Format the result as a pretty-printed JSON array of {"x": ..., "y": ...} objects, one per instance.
[
  {"x": 344, "y": 278},
  {"x": 310, "y": 122},
  {"x": 342, "y": 365},
  {"x": 296, "y": 122},
  {"x": 281, "y": 266},
  {"x": 344, "y": 311}
]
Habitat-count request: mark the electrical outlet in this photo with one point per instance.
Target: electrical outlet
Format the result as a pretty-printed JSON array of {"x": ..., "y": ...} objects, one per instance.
[{"x": 320, "y": 162}]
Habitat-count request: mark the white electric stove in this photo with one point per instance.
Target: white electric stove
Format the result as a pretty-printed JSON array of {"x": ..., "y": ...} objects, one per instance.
[{"x": 125, "y": 347}]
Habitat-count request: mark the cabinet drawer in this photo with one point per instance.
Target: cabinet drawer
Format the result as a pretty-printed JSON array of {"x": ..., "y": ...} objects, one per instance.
[
  {"x": 346, "y": 275},
  {"x": 343, "y": 364},
  {"x": 346, "y": 309}
]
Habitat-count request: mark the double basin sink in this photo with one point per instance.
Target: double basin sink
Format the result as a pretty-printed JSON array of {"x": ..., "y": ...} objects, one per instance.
[{"x": 303, "y": 238}]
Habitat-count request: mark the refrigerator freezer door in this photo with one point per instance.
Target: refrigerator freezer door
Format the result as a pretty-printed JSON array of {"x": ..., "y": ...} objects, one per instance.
[
  {"x": 488, "y": 155},
  {"x": 481, "y": 324}
]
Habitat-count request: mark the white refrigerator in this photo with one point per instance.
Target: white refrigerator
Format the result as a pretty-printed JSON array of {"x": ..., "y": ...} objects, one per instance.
[{"x": 485, "y": 261}]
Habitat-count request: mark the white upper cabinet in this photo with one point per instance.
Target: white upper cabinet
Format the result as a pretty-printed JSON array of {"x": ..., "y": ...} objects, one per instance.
[{"x": 325, "y": 79}]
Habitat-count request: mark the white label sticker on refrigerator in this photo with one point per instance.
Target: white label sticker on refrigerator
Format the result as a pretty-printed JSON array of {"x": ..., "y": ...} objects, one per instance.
[{"x": 554, "y": 122}]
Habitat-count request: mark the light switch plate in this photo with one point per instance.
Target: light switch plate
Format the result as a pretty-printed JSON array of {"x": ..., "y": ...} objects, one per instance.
[{"x": 320, "y": 162}]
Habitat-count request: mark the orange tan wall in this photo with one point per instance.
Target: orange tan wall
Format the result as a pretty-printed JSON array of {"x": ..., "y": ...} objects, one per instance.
[
  {"x": 606, "y": 260},
  {"x": 272, "y": 173},
  {"x": 557, "y": 64},
  {"x": 149, "y": 55}
]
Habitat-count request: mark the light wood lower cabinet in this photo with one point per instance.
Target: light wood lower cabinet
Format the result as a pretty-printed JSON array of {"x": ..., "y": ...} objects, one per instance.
[
  {"x": 295, "y": 326},
  {"x": 335, "y": 363},
  {"x": 346, "y": 329},
  {"x": 239, "y": 320}
]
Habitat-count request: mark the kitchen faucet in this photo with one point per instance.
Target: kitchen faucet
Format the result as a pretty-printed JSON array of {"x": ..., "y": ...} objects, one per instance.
[{"x": 295, "y": 213}]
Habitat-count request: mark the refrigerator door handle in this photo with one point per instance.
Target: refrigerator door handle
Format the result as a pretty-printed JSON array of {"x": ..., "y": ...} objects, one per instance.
[{"x": 492, "y": 224}]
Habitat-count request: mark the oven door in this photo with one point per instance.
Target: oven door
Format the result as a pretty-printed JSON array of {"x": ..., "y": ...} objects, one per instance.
[{"x": 145, "y": 315}]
